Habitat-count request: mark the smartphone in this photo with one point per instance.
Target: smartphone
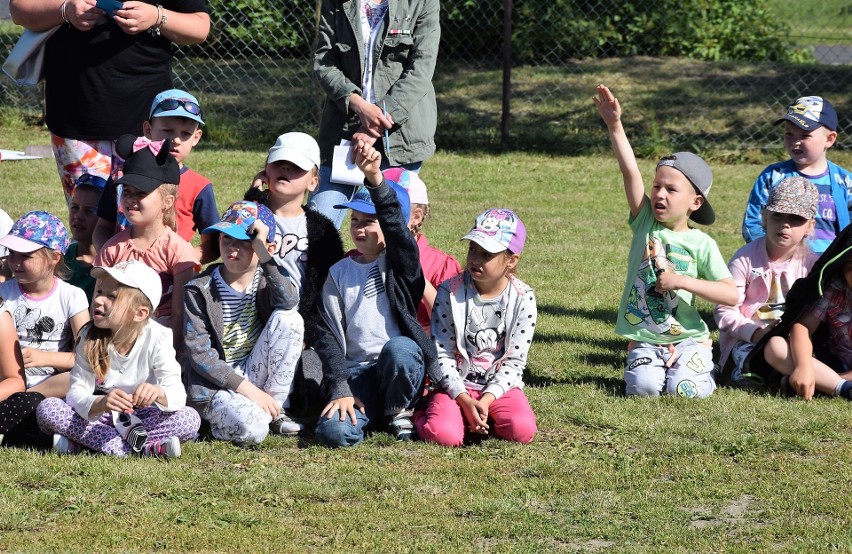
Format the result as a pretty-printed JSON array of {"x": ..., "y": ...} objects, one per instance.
[{"x": 109, "y": 6}]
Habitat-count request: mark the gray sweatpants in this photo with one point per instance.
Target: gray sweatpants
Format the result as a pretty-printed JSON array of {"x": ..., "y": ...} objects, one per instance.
[
  {"x": 685, "y": 369},
  {"x": 271, "y": 367}
]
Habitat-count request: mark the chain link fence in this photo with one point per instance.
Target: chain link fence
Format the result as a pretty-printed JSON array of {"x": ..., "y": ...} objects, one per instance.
[{"x": 254, "y": 75}]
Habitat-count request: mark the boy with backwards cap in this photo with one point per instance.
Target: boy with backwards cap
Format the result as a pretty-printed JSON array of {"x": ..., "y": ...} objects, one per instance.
[
  {"x": 243, "y": 336},
  {"x": 669, "y": 264},
  {"x": 176, "y": 115},
  {"x": 810, "y": 129}
]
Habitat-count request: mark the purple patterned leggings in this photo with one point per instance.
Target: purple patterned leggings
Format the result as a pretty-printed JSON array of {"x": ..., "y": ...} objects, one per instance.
[{"x": 55, "y": 416}]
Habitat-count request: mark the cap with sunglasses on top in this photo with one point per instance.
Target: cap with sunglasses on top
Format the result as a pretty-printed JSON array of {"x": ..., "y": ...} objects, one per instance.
[{"x": 176, "y": 103}]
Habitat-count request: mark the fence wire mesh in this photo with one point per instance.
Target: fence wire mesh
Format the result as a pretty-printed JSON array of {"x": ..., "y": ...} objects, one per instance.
[{"x": 254, "y": 73}]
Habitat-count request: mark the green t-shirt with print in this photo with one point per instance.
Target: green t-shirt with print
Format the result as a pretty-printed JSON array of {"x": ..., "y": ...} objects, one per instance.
[{"x": 646, "y": 315}]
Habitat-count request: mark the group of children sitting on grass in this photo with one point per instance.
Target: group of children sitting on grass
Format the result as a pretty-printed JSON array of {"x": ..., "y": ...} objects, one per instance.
[
  {"x": 286, "y": 328},
  {"x": 797, "y": 210},
  {"x": 116, "y": 343}
]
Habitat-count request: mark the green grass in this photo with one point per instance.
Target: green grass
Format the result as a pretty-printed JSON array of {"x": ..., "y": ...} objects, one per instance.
[
  {"x": 738, "y": 472},
  {"x": 824, "y": 22}
]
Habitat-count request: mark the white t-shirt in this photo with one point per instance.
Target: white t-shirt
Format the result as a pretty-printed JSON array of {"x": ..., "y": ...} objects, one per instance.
[
  {"x": 43, "y": 323},
  {"x": 291, "y": 247},
  {"x": 372, "y": 14}
]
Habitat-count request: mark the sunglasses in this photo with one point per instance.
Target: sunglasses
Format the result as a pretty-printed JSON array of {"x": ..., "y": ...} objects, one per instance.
[{"x": 170, "y": 104}]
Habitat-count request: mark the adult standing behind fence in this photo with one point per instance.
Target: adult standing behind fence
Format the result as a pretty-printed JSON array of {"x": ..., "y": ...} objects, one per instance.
[
  {"x": 102, "y": 68},
  {"x": 374, "y": 61}
]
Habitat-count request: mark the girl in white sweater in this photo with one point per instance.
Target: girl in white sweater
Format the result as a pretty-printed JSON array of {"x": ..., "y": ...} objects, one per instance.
[{"x": 125, "y": 366}]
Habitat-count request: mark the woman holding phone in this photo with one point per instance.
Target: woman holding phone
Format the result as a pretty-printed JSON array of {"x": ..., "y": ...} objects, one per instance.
[{"x": 89, "y": 105}]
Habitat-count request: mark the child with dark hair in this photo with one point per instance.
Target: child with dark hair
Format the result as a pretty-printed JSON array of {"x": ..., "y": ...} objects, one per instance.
[{"x": 82, "y": 219}]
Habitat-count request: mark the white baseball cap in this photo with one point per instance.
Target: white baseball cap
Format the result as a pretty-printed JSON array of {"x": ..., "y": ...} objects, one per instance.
[
  {"x": 297, "y": 148},
  {"x": 136, "y": 274}
]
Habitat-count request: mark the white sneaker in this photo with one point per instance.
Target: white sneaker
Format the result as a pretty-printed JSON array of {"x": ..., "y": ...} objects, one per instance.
[
  {"x": 62, "y": 445},
  {"x": 163, "y": 448},
  {"x": 285, "y": 425}
]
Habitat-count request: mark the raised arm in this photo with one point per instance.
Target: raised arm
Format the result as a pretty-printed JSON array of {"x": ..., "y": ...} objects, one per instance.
[{"x": 610, "y": 110}]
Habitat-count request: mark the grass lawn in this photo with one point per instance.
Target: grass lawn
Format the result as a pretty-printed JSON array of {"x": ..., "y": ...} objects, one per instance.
[{"x": 737, "y": 472}]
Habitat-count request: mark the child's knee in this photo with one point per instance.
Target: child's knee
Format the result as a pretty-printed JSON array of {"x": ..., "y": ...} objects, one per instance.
[
  {"x": 644, "y": 381},
  {"x": 286, "y": 325},
  {"x": 242, "y": 432},
  {"x": 333, "y": 433},
  {"x": 700, "y": 386},
  {"x": 519, "y": 429},
  {"x": 400, "y": 351},
  {"x": 438, "y": 431},
  {"x": 644, "y": 374},
  {"x": 48, "y": 411}
]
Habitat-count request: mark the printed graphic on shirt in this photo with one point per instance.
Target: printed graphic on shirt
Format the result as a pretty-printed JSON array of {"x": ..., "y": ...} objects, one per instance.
[
  {"x": 485, "y": 332},
  {"x": 292, "y": 243},
  {"x": 647, "y": 308},
  {"x": 374, "y": 285},
  {"x": 34, "y": 327}
]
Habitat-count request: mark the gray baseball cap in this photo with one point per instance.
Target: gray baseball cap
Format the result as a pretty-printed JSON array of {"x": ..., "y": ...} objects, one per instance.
[{"x": 700, "y": 175}]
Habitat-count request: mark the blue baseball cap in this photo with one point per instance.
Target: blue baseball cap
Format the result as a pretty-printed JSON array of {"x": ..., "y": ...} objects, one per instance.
[
  {"x": 238, "y": 218},
  {"x": 176, "y": 103},
  {"x": 811, "y": 112},
  {"x": 363, "y": 202}
]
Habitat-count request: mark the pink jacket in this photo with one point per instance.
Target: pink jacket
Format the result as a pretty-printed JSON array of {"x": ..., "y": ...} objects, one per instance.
[{"x": 752, "y": 275}]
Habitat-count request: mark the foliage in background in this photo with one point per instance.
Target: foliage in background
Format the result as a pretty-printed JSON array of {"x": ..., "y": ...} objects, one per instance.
[
  {"x": 560, "y": 30},
  {"x": 254, "y": 74},
  {"x": 260, "y": 25}
]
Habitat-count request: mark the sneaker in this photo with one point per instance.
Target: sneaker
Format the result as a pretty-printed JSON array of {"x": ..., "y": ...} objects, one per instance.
[
  {"x": 62, "y": 445},
  {"x": 164, "y": 448},
  {"x": 401, "y": 426},
  {"x": 285, "y": 425}
]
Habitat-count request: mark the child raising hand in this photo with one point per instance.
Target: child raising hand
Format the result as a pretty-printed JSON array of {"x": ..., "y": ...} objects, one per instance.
[
  {"x": 373, "y": 348},
  {"x": 669, "y": 264}
]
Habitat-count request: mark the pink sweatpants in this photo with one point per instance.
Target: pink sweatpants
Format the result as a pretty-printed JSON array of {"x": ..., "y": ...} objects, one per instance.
[{"x": 510, "y": 418}]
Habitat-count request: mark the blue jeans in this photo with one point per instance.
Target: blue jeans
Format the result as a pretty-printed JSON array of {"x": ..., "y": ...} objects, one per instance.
[
  {"x": 328, "y": 194},
  {"x": 391, "y": 385}
]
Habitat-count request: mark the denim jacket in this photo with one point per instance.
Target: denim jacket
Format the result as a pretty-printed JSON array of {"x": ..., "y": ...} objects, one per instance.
[{"x": 841, "y": 192}]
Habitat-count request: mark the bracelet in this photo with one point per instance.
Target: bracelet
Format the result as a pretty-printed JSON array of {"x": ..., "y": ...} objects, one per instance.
[
  {"x": 161, "y": 20},
  {"x": 62, "y": 11}
]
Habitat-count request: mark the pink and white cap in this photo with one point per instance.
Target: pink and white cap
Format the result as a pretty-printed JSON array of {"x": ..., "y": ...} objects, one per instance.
[
  {"x": 498, "y": 229},
  {"x": 410, "y": 181}
]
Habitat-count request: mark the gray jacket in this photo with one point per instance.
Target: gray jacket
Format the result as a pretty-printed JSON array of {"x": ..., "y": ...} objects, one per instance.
[
  {"x": 404, "y": 62},
  {"x": 204, "y": 366}
]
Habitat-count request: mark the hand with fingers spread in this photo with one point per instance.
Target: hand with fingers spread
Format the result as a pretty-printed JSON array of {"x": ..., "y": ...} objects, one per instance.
[
  {"x": 607, "y": 104},
  {"x": 344, "y": 406}
]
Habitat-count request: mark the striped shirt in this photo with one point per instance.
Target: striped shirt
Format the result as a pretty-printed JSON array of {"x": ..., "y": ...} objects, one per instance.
[{"x": 240, "y": 320}]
